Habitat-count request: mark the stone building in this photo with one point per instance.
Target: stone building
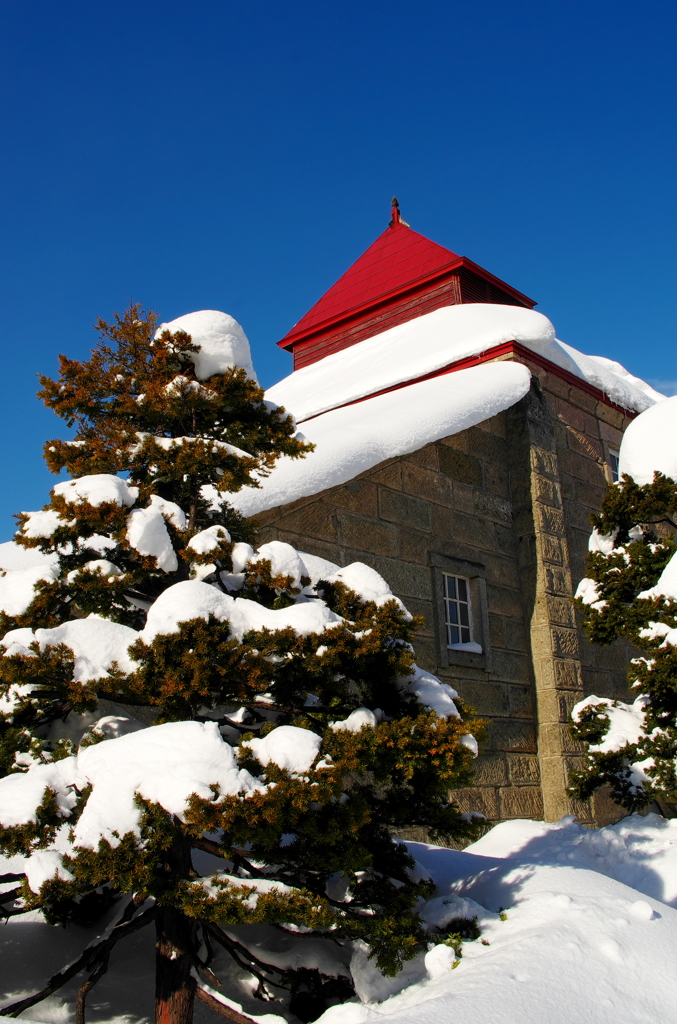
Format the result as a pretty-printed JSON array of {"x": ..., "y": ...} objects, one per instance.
[{"x": 480, "y": 523}]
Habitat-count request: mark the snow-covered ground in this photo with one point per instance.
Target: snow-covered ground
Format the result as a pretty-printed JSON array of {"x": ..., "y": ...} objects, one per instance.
[{"x": 576, "y": 925}]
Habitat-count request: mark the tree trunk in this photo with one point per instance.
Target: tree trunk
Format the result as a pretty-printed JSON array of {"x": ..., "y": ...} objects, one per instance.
[
  {"x": 174, "y": 986},
  {"x": 175, "y": 945}
]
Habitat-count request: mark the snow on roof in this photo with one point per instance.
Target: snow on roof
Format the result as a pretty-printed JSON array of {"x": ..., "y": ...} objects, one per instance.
[
  {"x": 649, "y": 443},
  {"x": 221, "y": 340},
  {"x": 353, "y": 439},
  {"x": 435, "y": 340}
]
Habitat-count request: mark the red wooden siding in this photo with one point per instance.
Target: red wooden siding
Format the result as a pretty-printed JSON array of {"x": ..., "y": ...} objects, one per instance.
[{"x": 343, "y": 335}]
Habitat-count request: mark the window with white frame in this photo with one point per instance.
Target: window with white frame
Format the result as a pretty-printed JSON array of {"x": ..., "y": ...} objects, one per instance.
[
  {"x": 457, "y": 611},
  {"x": 613, "y": 465}
]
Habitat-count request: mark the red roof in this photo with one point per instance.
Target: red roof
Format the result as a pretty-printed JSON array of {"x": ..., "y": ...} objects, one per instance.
[
  {"x": 396, "y": 259},
  {"x": 401, "y": 276}
]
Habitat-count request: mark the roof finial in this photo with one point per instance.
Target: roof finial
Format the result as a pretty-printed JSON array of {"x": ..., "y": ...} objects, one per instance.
[{"x": 395, "y": 216}]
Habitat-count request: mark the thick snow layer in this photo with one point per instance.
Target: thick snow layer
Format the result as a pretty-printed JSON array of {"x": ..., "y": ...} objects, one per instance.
[
  {"x": 356, "y": 721},
  {"x": 147, "y": 533},
  {"x": 195, "y": 600},
  {"x": 165, "y": 765},
  {"x": 626, "y": 721},
  {"x": 14, "y": 557},
  {"x": 365, "y": 581},
  {"x": 318, "y": 568},
  {"x": 98, "y": 489},
  {"x": 434, "y": 694},
  {"x": 42, "y": 524},
  {"x": 640, "y": 850},
  {"x": 288, "y": 747},
  {"x": 433, "y": 341},
  {"x": 666, "y": 586},
  {"x": 208, "y": 540},
  {"x": 221, "y": 340},
  {"x": 17, "y": 589},
  {"x": 96, "y": 644},
  {"x": 170, "y": 510},
  {"x": 284, "y": 561},
  {"x": 22, "y": 793},
  {"x": 649, "y": 443},
  {"x": 353, "y": 439},
  {"x": 613, "y": 379}
]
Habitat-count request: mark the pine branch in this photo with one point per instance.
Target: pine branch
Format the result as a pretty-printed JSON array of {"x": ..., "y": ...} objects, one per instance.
[
  {"x": 92, "y": 952},
  {"x": 87, "y": 986},
  {"x": 209, "y": 846},
  {"x": 215, "y": 1004},
  {"x": 241, "y": 954}
]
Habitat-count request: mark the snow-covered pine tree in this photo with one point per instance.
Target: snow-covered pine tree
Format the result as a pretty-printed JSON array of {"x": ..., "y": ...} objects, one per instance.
[
  {"x": 294, "y": 734},
  {"x": 630, "y": 591}
]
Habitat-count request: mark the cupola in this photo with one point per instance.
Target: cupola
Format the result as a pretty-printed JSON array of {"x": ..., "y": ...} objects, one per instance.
[{"x": 402, "y": 275}]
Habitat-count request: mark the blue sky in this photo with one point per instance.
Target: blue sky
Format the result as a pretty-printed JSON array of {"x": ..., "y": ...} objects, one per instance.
[{"x": 241, "y": 156}]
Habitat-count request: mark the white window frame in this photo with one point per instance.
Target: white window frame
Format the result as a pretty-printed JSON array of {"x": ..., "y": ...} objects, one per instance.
[
  {"x": 457, "y": 608},
  {"x": 477, "y": 654}
]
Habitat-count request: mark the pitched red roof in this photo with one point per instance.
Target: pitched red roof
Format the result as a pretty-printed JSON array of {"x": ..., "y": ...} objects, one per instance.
[
  {"x": 397, "y": 258},
  {"x": 401, "y": 275}
]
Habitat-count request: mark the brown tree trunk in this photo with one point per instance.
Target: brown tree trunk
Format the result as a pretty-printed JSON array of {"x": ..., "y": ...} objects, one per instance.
[
  {"x": 175, "y": 946},
  {"x": 174, "y": 986}
]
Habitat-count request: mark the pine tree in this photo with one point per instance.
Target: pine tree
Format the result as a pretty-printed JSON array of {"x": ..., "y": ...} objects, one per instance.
[
  {"x": 628, "y": 594},
  {"x": 293, "y": 734}
]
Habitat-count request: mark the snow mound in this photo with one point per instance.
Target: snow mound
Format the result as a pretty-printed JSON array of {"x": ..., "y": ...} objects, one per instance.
[
  {"x": 666, "y": 585},
  {"x": 17, "y": 589},
  {"x": 640, "y": 850},
  {"x": 221, "y": 340},
  {"x": 356, "y": 721},
  {"x": 164, "y": 765},
  {"x": 147, "y": 533},
  {"x": 358, "y": 437},
  {"x": 96, "y": 643},
  {"x": 648, "y": 444},
  {"x": 588, "y": 932},
  {"x": 195, "y": 600},
  {"x": 97, "y": 489},
  {"x": 429, "y": 343},
  {"x": 584, "y": 931},
  {"x": 288, "y": 747},
  {"x": 284, "y": 560},
  {"x": 14, "y": 557},
  {"x": 626, "y": 721},
  {"x": 434, "y": 694}
]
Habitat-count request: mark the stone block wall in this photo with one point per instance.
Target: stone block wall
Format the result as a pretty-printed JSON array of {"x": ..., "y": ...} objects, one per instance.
[{"x": 508, "y": 501}]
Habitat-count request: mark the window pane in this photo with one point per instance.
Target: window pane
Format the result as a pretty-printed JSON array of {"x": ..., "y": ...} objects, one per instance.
[
  {"x": 465, "y": 636},
  {"x": 463, "y": 611},
  {"x": 453, "y": 612},
  {"x": 454, "y": 635},
  {"x": 451, "y": 586},
  {"x": 462, "y": 590}
]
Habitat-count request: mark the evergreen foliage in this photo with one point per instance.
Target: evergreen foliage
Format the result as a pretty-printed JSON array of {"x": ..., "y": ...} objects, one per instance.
[
  {"x": 632, "y": 748},
  {"x": 157, "y": 609}
]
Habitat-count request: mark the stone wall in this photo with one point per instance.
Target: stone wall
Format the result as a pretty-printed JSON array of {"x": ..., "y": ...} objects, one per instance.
[{"x": 506, "y": 503}]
